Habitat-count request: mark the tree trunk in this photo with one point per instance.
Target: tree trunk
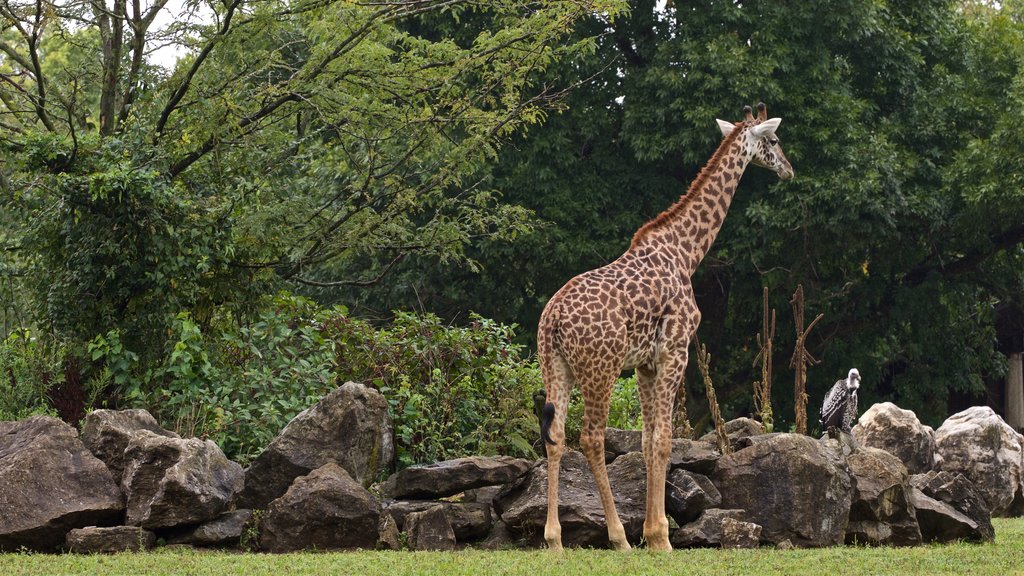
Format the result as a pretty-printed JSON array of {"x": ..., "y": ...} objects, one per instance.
[{"x": 1015, "y": 392}]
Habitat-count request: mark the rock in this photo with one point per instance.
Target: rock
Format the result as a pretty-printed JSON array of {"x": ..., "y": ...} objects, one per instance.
[
  {"x": 949, "y": 508},
  {"x": 324, "y": 510},
  {"x": 482, "y": 495},
  {"x": 698, "y": 456},
  {"x": 106, "y": 434},
  {"x": 49, "y": 484},
  {"x": 349, "y": 427},
  {"x": 980, "y": 445},
  {"x": 898, "y": 432},
  {"x": 785, "y": 545},
  {"x": 791, "y": 485},
  {"x": 224, "y": 530},
  {"x": 430, "y": 530},
  {"x": 388, "y": 537},
  {"x": 500, "y": 538},
  {"x": 469, "y": 520},
  {"x": 882, "y": 513},
  {"x": 618, "y": 442},
  {"x": 736, "y": 430},
  {"x": 93, "y": 540},
  {"x": 454, "y": 476},
  {"x": 171, "y": 482},
  {"x": 705, "y": 531},
  {"x": 688, "y": 495},
  {"x": 523, "y": 504},
  {"x": 739, "y": 534}
]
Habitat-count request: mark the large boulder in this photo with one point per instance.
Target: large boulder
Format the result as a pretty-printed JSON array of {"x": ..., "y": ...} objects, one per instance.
[
  {"x": 106, "y": 434},
  {"x": 949, "y": 508},
  {"x": 224, "y": 530},
  {"x": 898, "y": 432},
  {"x": 49, "y": 484},
  {"x": 688, "y": 495},
  {"x": 793, "y": 486},
  {"x": 349, "y": 427},
  {"x": 698, "y": 456},
  {"x": 451, "y": 477},
  {"x": 523, "y": 505},
  {"x": 980, "y": 445},
  {"x": 93, "y": 540},
  {"x": 618, "y": 442},
  {"x": 882, "y": 512},
  {"x": 430, "y": 530},
  {"x": 323, "y": 510},
  {"x": 740, "y": 534},
  {"x": 171, "y": 482}
]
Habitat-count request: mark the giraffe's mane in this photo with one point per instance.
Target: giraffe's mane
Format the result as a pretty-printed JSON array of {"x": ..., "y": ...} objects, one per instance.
[{"x": 686, "y": 199}]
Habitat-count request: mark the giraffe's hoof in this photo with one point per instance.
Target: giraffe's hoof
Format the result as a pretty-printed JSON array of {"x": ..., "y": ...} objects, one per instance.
[{"x": 662, "y": 545}]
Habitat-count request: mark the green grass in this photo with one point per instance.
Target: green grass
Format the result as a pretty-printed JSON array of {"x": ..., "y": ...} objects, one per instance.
[{"x": 1005, "y": 557}]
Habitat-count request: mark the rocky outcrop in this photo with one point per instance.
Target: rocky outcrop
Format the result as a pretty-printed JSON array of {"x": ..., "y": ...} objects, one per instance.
[
  {"x": 980, "y": 445},
  {"x": 171, "y": 482},
  {"x": 349, "y": 427},
  {"x": 791, "y": 485},
  {"x": 523, "y": 505},
  {"x": 49, "y": 484},
  {"x": 93, "y": 540},
  {"x": 688, "y": 495},
  {"x": 898, "y": 432},
  {"x": 324, "y": 510},
  {"x": 882, "y": 512},
  {"x": 949, "y": 508},
  {"x": 106, "y": 434},
  {"x": 451, "y": 477},
  {"x": 430, "y": 530},
  {"x": 706, "y": 531}
]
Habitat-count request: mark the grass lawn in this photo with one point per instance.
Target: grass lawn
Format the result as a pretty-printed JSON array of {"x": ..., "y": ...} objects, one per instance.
[{"x": 1003, "y": 558}]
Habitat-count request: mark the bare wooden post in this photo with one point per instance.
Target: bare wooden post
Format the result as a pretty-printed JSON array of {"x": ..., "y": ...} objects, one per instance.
[
  {"x": 763, "y": 389},
  {"x": 1015, "y": 392},
  {"x": 703, "y": 361},
  {"x": 801, "y": 358}
]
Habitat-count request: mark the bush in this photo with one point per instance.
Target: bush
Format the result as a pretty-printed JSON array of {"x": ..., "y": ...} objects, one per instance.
[{"x": 28, "y": 370}]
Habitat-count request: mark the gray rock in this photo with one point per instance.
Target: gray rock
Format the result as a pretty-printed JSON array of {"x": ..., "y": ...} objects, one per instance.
[
  {"x": 106, "y": 434},
  {"x": 499, "y": 538},
  {"x": 49, "y": 484},
  {"x": 451, "y": 477},
  {"x": 688, "y": 495},
  {"x": 791, "y": 485},
  {"x": 705, "y": 531},
  {"x": 224, "y": 530},
  {"x": 882, "y": 512},
  {"x": 482, "y": 495},
  {"x": 349, "y": 427},
  {"x": 618, "y": 442},
  {"x": 698, "y": 456},
  {"x": 93, "y": 540},
  {"x": 980, "y": 445},
  {"x": 949, "y": 508},
  {"x": 898, "y": 432},
  {"x": 736, "y": 430},
  {"x": 469, "y": 520},
  {"x": 739, "y": 534},
  {"x": 172, "y": 482},
  {"x": 430, "y": 530},
  {"x": 324, "y": 510},
  {"x": 523, "y": 504},
  {"x": 388, "y": 534}
]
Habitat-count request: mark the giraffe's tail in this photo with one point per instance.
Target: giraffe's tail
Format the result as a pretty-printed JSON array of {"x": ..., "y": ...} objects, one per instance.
[{"x": 547, "y": 416}]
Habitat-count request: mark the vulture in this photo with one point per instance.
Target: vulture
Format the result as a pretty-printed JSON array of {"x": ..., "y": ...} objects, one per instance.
[{"x": 840, "y": 407}]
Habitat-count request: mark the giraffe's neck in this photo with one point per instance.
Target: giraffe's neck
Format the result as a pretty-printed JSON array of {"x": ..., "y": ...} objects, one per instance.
[{"x": 688, "y": 228}]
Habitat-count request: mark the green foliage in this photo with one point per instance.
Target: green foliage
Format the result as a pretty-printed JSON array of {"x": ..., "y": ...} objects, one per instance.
[{"x": 29, "y": 368}]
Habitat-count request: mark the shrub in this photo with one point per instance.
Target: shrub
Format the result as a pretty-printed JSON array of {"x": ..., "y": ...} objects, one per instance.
[{"x": 28, "y": 370}]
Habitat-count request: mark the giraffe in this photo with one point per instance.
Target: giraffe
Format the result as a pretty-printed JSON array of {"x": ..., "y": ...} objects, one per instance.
[{"x": 639, "y": 312}]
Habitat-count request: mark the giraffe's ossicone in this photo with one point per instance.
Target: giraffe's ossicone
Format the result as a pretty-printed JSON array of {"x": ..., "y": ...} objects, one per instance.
[{"x": 640, "y": 312}]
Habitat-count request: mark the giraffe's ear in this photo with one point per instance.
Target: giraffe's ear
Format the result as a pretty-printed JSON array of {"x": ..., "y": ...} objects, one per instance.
[
  {"x": 766, "y": 128},
  {"x": 725, "y": 127}
]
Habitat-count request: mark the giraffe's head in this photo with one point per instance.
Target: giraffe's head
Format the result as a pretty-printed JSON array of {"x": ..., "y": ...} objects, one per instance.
[{"x": 759, "y": 140}]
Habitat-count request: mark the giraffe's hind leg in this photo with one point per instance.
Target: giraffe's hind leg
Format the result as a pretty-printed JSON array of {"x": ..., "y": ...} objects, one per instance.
[
  {"x": 558, "y": 384},
  {"x": 597, "y": 390}
]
